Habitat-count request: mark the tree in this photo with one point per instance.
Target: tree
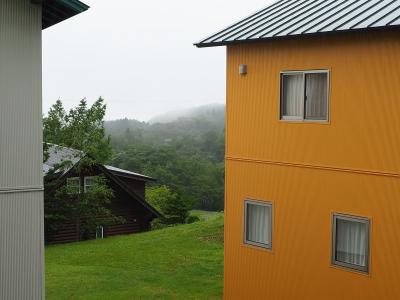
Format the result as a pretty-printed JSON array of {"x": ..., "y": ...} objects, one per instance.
[
  {"x": 174, "y": 208},
  {"x": 82, "y": 128},
  {"x": 191, "y": 175}
]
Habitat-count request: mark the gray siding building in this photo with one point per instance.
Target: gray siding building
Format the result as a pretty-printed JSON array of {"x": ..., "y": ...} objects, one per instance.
[{"x": 21, "y": 180}]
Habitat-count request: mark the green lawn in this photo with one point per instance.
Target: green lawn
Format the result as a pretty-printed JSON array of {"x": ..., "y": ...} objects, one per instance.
[
  {"x": 205, "y": 215},
  {"x": 182, "y": 262}
]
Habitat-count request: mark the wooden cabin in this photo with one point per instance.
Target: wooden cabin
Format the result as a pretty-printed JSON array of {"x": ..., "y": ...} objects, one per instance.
[
  {"x": 312, "y": 198},
  {"x": 128, "y": 200}
]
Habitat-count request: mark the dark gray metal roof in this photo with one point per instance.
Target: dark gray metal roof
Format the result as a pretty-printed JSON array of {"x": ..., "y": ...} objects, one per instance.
[
  {"x": 126, "y": 172},
  {"x": 58, "y": 154},
  {"x": 287, "y": 18}
]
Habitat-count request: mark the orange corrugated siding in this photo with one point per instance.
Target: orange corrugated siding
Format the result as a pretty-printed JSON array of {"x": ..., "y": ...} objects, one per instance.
[{"x": 309, "y": 170}]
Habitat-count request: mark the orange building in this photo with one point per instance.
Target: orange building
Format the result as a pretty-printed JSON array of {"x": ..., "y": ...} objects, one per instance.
[{"x": 312, "y": 201}]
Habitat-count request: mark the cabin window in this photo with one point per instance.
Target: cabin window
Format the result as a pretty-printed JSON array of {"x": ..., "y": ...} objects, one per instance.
[
  {"x": 350, "y": 244},
  {"x": 304, "y": 96},
  {"x": 74, "y": 185},
  {"x": 90, "y": 181},
  {"x": 99, "y": 232},
  {"x": 258, "y": 224}
]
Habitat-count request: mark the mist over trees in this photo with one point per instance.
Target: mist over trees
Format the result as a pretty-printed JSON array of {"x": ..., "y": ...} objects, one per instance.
[{"x": 185, "y": 154}]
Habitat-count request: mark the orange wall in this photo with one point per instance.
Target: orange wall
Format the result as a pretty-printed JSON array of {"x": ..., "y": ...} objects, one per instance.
[{"x": 308, "y": 170}]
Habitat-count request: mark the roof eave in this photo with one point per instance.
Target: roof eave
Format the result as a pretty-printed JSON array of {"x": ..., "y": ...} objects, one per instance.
[
  {"x": 137, "y": 177},
  {"x": 285, "y": 37},
  {"x": 56, "y": 11}
]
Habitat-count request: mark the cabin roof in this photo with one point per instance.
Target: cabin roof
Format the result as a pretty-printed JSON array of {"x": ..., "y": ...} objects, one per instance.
[
  {"x": 55, "y": 11},
  {"x": 59, "y": 154},
  {"x": 126, "y": 172},
  {"x": 287, "y": 18}
]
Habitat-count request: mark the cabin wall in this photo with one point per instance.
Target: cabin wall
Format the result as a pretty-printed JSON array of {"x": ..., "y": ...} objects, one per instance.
[
  {"x": 137, "y": 218},
  {"x": 21, "y": 186},
  {"x": 310, "y": 170},
  {"x": 138, "y": 186}
]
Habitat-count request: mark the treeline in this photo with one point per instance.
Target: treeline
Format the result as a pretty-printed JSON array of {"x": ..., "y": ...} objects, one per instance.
[{"x": 187, "y": 154}]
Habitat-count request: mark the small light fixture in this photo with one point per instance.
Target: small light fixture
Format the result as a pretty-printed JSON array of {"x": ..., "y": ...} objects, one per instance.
[{"x": 242, "y": 69}]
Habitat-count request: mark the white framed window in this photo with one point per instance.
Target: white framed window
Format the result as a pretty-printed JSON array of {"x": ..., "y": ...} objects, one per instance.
[
  {"x": 350, "y": 242},
  {"x": 89, "y": 181},
  {"x": 304, "y": 95},
  {"x": 74, "y": 185},
  {"x": 100, "y": 232},
  {"x": 258, "y": 223}
]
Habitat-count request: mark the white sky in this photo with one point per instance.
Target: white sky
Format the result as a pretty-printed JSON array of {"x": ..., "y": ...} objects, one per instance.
[{"x": 139, "y": 56}]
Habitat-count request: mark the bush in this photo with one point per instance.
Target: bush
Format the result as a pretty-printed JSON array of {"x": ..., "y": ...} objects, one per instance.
[
  {"x": 173, "y": 207},
  {"x": 192, "y": 219},
  {"x": 158, "y": 224}
]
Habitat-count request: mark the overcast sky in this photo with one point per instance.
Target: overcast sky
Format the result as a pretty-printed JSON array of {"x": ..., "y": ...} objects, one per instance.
[{"x": 139, "y": 56}]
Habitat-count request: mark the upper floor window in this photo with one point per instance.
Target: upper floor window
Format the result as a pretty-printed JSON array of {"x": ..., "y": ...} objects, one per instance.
[
  {"x": 350, "y": 244},
  {"x": 304, "y": 95},
  {"x": 74, "y": 185},
  {"x": 258, "y": 223},
  {"x": 89, "y": 182}
]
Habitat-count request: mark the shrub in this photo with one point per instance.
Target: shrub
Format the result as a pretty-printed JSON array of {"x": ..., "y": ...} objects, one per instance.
[
  {"x": 158, "y": 224},
  {"x": 192, "y": 219},
  {"x": 175, "y": 209}
]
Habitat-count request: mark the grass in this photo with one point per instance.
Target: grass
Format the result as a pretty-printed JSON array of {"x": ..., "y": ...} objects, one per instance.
[
  {"x": 205, "y": 215},
  {"x": 182, "y": 262}
]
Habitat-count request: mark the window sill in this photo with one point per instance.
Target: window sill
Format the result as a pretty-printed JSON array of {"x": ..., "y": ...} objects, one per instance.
[
  {"x": 350, "y": 270},
  {"x": 253, "y": 246},
  {"x": 298, "y": 121}
]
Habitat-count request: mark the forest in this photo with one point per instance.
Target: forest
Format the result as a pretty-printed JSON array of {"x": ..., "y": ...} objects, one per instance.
[{"x": 182, "y": 151}]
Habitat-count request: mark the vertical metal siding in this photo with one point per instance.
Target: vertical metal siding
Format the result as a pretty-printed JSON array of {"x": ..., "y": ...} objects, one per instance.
[
  {"x": 310, "y": 170},
  {"x": 20, "y": 94},
  {"x": 21, "y": 198},
  {"x": 21, "y": 252}
]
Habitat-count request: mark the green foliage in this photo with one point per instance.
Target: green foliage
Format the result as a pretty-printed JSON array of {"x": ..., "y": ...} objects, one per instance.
[
  {"x": 157, "y": 224},
  {"x": 186, "y": 154},
  {"x": 192, "y": 219},
  {"x": 192, "y": 176},
  {"x": 82, "y": 128},
  {"x": 174, "y": 208},
  {"x": 202, "y": 132},
  {"x": 179, "y": 262},
  {"x": 86, "y": 210}
]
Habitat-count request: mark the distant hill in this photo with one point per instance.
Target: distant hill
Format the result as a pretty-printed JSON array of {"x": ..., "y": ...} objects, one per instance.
[
  {"x": 185, "y": 153},
  {"x": 168, "y": 128},
  {"x": 209, "y": 112}
]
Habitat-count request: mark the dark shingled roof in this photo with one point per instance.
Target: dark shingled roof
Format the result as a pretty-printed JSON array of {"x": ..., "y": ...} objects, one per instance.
[{"x": 286, "y": 18}]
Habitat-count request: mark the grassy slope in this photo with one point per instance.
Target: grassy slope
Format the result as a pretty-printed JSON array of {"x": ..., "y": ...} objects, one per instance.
[{"x": 182, "y": 262}]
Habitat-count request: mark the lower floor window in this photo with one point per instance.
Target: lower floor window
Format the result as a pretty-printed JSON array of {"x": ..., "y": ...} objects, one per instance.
[
  {"x": 99, "y": 232},
  {"x": 258, "y": 223},
  {"x": 351, "y": 242}
]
